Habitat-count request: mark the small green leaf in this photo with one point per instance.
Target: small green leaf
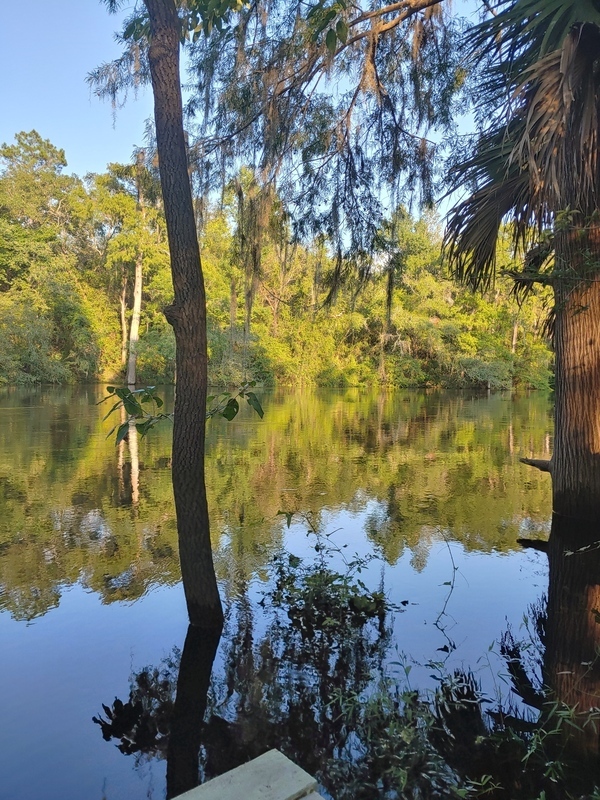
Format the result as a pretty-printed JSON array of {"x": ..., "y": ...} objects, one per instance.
[
  {"x": 341, "y": 30},
  {"x": 132, "y": 407},
  {"x": 231, "y": 409},
  {"x": 331, "y": 41},
  {"x": 122, "y": 432},
  {"x": 255, "y": 403},
  {"x": 114, "y": 408},
  {"x": 130, "y": 29}
]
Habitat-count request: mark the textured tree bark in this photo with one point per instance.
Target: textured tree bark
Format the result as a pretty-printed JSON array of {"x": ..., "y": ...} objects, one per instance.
[
  {"x": 187, "y": 315},
  {"x": 571, "y": 663},
  {"x": 575, "y": 463}
]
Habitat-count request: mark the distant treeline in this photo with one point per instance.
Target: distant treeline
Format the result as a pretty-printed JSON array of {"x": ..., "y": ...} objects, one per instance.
[{"x": 84, "y": 276}]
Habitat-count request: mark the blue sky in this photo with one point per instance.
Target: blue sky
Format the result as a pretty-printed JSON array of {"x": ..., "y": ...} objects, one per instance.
[{"x": 47, "y": 47}]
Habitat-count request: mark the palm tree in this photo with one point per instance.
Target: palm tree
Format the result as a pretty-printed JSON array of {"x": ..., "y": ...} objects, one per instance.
[{"x": 537, "y": 166}]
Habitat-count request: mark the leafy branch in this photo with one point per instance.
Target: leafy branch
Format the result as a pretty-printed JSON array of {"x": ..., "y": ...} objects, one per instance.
[{"x": 142, "y": 407}]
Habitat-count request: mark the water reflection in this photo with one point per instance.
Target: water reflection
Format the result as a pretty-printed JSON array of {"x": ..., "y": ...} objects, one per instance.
[
  {"x": 71, "y": 509},
  {"x": 86, "y": 529},
  {"x": 314, "y": 685},
  {"x": 572, "y": 635},
  {"x": 287, "y": 667},
  {"x": 163, "y": 717}
]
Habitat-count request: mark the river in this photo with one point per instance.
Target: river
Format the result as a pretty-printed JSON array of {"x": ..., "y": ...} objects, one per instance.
[{"x": 427, "y": 488}]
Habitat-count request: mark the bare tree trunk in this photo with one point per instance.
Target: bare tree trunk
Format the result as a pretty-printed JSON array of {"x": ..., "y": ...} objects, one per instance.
[
  {"x": 134, "y": 330},
  {"x": 123, "y": 314},
  {"x": 515, "y": 336},
  {"x": 576, "y": 458},
  {"x": 232, "y": 309},
  {"x": 187, "y": 315}
]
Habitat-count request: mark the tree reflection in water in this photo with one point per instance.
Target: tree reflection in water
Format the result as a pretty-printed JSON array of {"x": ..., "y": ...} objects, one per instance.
[
  {"x": 312, "y": 684},
  {"x": 163, "y": 717},
  {"x": 283, "y": 688}
]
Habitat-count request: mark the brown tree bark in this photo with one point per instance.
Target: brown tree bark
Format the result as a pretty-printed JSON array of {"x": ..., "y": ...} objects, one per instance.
[
  {"x": 572, "y": 663},
  {"x": 187, "y": 315},
  {"x": 575, "y": 464}
]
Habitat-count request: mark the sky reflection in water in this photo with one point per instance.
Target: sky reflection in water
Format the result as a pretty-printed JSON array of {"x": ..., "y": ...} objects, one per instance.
[{"x": 89, "y": 588}]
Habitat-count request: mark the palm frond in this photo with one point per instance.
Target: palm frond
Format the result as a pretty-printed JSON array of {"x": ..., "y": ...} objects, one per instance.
[
  {"x": 539, "y": 159},
  {"x": 473, "y": 226}
]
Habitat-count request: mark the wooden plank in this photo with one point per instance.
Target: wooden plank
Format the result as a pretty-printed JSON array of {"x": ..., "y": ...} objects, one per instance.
[{"x": 271, "y": 776}]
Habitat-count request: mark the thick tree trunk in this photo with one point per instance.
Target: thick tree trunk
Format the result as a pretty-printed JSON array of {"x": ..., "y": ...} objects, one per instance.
[
  {"x": 187, "y": 315},
  {"x": 134, "y": 330},
  {"x": 576, "y": 460},
  {"x": 571, "y": 664}
]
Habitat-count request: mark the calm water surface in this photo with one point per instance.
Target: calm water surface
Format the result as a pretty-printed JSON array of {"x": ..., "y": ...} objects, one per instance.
[{"x": 90, "y": 589}]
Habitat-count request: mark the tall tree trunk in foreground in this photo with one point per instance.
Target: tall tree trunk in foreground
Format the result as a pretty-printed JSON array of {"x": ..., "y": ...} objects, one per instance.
[
  {"x": 575, "y": 464},
  {"x": 187, "y": 315},
  {"x": 571, "y": 662}
]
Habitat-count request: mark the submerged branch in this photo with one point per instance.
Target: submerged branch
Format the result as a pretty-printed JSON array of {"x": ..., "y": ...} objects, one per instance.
[
  {"x": 541, "y": 545},
  {"x": 543, "y": 464}
]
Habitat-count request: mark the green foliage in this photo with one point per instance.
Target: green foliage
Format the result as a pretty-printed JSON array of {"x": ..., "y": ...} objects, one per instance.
[
  {"x": 26, "y": 348},
  {"x": 318, "y": 597},
  {"x": 135, "y": 403},
  {"x": 68, "y": 252},
  {"x": 67, "y": 512}
]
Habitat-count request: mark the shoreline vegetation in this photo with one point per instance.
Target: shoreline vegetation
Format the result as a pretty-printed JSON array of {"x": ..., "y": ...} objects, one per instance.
[{"x": 84, "y": 276}]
